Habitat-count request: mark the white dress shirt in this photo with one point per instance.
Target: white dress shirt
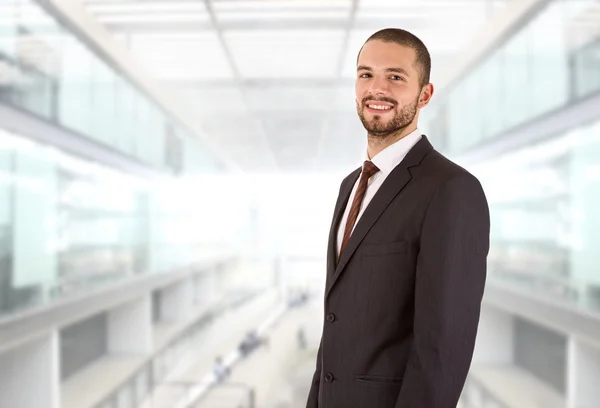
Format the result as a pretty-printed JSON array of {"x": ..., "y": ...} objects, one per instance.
[{"x": 386, "y": 161}]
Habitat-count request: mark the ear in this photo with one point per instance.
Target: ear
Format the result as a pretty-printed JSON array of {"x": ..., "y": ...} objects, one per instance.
[{"x": 425, "y": 96}]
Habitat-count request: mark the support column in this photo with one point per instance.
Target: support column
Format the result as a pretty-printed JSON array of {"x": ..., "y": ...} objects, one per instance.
[
  {"x": 203, "y": 291},
  {"x": 29, "y": 375},
  {"x": 494, "y": 346},
  {"x": 494, "y": 343},
  {"x": 177, "y": 301},
  {"x": 130, "y": 328},
  {"x": 583, "y": 374},
  {"x": 212, "y": 288}
]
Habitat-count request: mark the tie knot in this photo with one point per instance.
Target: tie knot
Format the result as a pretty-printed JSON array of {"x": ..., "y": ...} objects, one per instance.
[{"x": 369, "y": 168}]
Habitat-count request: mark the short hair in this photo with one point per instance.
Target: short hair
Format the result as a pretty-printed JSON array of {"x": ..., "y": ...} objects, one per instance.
[{"x": 407, "y": 39}]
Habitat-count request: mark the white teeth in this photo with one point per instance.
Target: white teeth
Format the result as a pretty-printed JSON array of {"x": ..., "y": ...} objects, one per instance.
[{"x": 380, "y": 107}]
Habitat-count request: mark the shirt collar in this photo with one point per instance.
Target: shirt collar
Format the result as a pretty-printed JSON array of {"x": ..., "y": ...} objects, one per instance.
[{"x": 391, "y": 156}]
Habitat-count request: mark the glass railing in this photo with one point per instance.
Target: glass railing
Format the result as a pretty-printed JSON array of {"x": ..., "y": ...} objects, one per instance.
[
  {"x": 544, "y": 217},
  {"x": 68, "y": 225},
  {"x": 547, "y": 63},
  {"x": 47, "y": 70}
]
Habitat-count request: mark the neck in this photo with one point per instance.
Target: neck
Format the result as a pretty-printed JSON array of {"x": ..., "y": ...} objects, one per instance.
[{"x": 377, "y": 143}]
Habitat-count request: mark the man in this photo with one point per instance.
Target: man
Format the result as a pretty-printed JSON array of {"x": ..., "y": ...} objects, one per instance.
[{"x": 407, "y": 252}]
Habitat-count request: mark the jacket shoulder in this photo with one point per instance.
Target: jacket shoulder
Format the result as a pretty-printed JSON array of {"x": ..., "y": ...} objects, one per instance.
[{"x": 437, "y": 166}]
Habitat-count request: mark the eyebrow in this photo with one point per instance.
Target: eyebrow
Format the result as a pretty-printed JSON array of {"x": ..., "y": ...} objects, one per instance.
[{"x": 397, "y": 70}]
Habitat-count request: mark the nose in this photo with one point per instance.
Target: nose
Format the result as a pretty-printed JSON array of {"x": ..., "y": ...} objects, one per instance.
[{"x": 379, "y": 86}]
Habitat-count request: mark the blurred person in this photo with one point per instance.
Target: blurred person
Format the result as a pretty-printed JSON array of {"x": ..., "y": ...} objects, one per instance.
[
  {"x": 220, "y": 370},
  {"x": 406, "y": 261},
  {"x": 301, "y": 338},
  {"x": 250, "y": 342}
]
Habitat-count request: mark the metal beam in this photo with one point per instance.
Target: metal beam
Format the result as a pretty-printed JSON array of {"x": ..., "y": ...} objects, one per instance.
[
  {"x": 238, "y": 77},
  {"x": 332, "y": 24},
  {"x": 179, "y": 26},
  {"x": 262, "y": 83},
  {"x": 214, "y": 22}
]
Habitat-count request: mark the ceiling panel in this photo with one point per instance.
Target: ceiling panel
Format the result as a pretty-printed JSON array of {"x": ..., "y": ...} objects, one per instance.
[
  {"x": 291, "y": 98},
  {"x": 284, "y": 54},
  {"x": 124, "y": 7},
  {"x": 271, "y": 5},
  {"x": 240, "y": 15},
  {"x": 181, "y": 56},
  {"x": 243, "y": 138},
  {"x": 283, "y": 105},
  {"x": 207, "y": 102}
]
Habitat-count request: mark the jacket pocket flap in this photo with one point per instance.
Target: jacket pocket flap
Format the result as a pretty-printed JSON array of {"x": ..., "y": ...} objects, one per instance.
[
  {"x": 386, "y": 248},
  {"x": 378, "y": 379}
]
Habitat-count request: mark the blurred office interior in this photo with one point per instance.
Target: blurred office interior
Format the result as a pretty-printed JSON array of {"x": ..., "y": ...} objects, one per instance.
[{"x": 169, "y": 168}]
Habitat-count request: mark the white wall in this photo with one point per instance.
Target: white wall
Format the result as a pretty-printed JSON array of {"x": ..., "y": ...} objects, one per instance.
[{"x": 29, "y": 375}]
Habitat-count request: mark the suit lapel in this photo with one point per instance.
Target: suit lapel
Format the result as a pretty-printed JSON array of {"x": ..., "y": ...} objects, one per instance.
[
  {"x": 392, "y": 186},
  {"x": 340, "y": 206}
]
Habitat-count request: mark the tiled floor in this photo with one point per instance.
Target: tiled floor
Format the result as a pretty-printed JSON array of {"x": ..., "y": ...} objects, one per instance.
[{"x": 279, "y": 373}]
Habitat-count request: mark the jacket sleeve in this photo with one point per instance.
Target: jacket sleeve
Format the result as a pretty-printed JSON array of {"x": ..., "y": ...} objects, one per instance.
[
  {"x": 449, "y": 285},
  {"x": 313, "y": 394}
]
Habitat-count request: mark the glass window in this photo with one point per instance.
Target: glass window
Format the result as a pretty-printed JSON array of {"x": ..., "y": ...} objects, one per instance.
[
  {"x": 544, "y": 208},
  {"x": 542, "y": 66},
  {"x": 584, "y": 183},
  {"x": 125, "y": 108},
  {"x": 6, "y": 230},
  {"x": 471, "y": 124},
  {"x": 143, "y": 114},
  {"x": 493, "y": 94},
  {"x": 34, "y": 220},
  {"x": 8, "y": 28},
  {"x": 156, "y": 138},
  {"x": 586, "y": 65},
  {"x": 67, "y": 224},
  {"x": 75, "y": 91},
  {"x": 549, "y": 63},
  {"x": 516, "y": 78},
  {"x": 36, "y": 57},
  {"x": 103, "y": 102},
  {"x": 458, "y": 113}
]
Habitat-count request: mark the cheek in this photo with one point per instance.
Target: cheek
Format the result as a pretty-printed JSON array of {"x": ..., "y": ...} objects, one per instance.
[
  {"x": 360, "y": 91},
  {"x": 358, "y": 102}
]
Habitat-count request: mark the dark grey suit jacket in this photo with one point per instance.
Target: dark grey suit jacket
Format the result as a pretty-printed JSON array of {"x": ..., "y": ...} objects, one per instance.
[{"x": 402, "y": 304}]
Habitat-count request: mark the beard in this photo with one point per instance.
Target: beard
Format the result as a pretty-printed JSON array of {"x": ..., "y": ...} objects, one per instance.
[{"x": 379, "y": 128}]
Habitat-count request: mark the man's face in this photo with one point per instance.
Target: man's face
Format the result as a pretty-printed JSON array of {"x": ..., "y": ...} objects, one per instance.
[{"x": 387, "y": 87}]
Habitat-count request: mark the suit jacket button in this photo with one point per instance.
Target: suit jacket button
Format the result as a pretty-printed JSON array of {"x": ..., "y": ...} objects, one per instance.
[
  {"x": 329, "y": 377},
  {"x": 330, "y": 317}
]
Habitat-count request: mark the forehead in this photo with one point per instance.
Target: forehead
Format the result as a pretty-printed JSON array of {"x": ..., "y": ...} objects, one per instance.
[{"x": 379, "y": 54}]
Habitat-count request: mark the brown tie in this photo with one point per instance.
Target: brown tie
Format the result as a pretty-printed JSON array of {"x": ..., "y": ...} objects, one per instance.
[{"x": 368, "y": 170}]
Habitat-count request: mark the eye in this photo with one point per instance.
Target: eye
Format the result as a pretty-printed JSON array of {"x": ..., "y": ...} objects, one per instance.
[
  {"x": 397, "y": 78},
  {"x": 365, "y": 75}
]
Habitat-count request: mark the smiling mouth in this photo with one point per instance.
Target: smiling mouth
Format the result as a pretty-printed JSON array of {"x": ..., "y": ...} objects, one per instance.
[{"x": 379, "y": 107}]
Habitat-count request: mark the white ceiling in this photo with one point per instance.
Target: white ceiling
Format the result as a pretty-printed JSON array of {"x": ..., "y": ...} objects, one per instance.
[{"x": 272, "y": 80}]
